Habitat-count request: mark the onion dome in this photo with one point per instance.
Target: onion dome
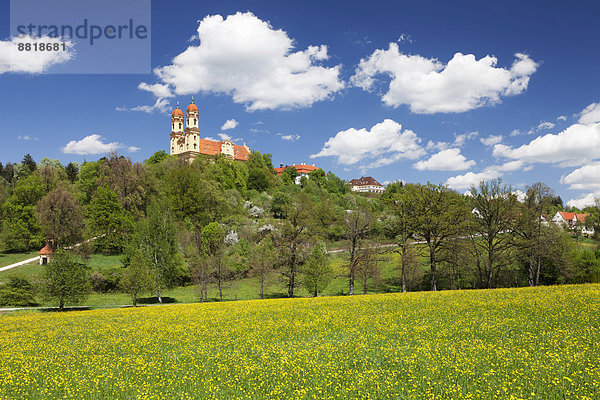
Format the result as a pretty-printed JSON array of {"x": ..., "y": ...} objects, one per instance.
[
  {"x": 177, "y": 111},
  {"x": 192, "y": 106}
]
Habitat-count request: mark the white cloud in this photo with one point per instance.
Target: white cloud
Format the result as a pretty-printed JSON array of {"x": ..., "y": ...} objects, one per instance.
[
  {"x": 91, "y": 144},
  {"x": 161, "y": 105},
  {"x": 133, "y": 149},
  {"x": 583, "y": 201},
  {"x": 428, "y": 86},
  {"x": 576, "y": 145},
  {"x": 561, "y": 118},
  {"x": 492, "y": 172},
  {"x": 33, "y": 62},
  {"x": 229, "y": 124},
  {"x": 590, "y": 114},
  {"x": 491, "y": 140},
  {"x": 24, "y": 137},
  {"x": 290, "y": 138},
  {"x": 224, "y": 136},
  {"x": 586, "y": 177},
  {"x": 459, "y": 140},
  {"x": 383, "y": 144},
  {"x": 247, "y": 58},
  {"x": 472, "y": 179},
  {"x": 445, "y": 160},
  {"x": 545, "y": 125},
  {"x": 157, "y": 89}
]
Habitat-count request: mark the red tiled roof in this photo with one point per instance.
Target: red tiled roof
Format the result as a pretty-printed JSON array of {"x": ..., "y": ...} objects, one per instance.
[
  {"x": 301, "y": 168},
  {"x": 46, "y": 250},
  {"x": 212, "y": 147},
  {"x": 572, "y": 216},
  {"x": 365, "y": 181}
]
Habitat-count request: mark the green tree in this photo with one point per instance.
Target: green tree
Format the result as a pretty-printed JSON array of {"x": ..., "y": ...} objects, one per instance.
[
  {"x": 157, "y": 157},
  {"x": 356, "y": 227},
  {"x": 29, "y": 164},
  {"x": 136, "y": 279},
  {"x": 72, "y": 171},
  {"x": 21, "y": 230},
  {"x": 317, "y": 273},
  {"x": 491, "y": 222},
  {"x": 66, "y": 280},
  {"x": 17, "y": 292},
  {"x": 292, "y": 236},
  {"x": 213, "y": 245},
  {"x": 157, "y": 239},
  {"x": 108, "y": 221},
  {"x": 439, "y": 215},
  {"x": 61, "y": 217},
  {"x": 289, "y": 175},
  {"x": 262, "y": 263}
]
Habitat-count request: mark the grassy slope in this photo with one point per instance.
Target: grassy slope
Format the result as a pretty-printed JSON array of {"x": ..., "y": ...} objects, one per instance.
[
  {"x": 527, "y": 343},
  {"x": 11, "y": 258}
]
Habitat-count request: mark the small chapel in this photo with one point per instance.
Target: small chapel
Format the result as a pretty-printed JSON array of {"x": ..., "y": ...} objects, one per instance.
[{"x": 186, "y": 141}]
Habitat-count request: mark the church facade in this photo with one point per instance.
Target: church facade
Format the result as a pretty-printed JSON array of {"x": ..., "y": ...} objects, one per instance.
[{"x": 186, "y": 142}]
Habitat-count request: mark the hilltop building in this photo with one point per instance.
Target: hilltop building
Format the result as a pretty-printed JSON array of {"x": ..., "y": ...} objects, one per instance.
[
  {"x": 187, "y": 144},
  {"x": 366, "y": 184},
  {"x": 302, "y": 169},
  {"x": 45, "y": 254}
]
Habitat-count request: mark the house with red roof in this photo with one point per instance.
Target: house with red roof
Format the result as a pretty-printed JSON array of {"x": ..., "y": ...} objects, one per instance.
[
  {"x": 45, "y": 254},
  {"x": 302, "y": 169},
  {"x": 571, "y": 220}
]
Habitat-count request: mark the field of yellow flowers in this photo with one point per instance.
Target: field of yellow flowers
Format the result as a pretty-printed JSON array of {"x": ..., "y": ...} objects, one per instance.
[{"x": 541, "y": 343}]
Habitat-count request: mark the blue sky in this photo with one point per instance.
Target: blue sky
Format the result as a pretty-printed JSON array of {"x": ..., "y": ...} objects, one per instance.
[{"x": 291, "y": 75}]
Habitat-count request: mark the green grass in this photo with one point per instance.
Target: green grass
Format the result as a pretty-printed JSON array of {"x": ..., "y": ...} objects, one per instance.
[
  {"x": 527, "y": 343},
  {"x": 11, "y": 258}
]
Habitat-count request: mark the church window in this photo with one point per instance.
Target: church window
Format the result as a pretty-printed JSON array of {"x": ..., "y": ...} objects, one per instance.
[
  {"x": 180, "y": 125},
  {"x": 194, "y": 121}
]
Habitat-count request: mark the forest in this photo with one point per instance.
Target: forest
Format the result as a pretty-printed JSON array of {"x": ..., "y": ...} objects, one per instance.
[{"x": 213, "y": 220}]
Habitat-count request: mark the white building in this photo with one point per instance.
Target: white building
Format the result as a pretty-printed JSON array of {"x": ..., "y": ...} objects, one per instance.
[{"x": 366, "y": 184}]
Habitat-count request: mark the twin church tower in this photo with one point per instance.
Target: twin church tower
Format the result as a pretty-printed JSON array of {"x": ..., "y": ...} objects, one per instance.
[{"x": 186, "y": 142}]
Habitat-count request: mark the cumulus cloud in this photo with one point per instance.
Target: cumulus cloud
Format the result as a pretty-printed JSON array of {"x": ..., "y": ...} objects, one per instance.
[
  {"x": 445, "y": 160},
  {"x": 576, "y": 145},
  {"x": 590, "y": 114},
  {"x": 157, "y": 89},
  {"x": 586, "y": 177},
  {"x": 492, "y": 172},
  {"x": 94, "y": 144},
  {"x": 32, "y": 62},
  {"x": 224, "y": 136},
  {"x": 383, "y": 144},
  {"x": 472, "y": 179},
  {"x": 429, "y": 86},
  {"x": 91, "y": 144},
  {"x": 561, "y": 118},
  {"x": 247, "y": 58},
  {"x": 584, "y": 201},
  {"x": 229, "y": 124},
  {"x": 491, "y": 140},
  {"x": 160, "y": 105}
]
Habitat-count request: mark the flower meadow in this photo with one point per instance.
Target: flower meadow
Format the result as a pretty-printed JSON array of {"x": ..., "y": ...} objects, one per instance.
[{"x": 530, "y": 343}]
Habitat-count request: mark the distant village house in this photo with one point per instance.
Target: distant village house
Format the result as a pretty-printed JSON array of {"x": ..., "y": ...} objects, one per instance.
[
  {"x": 570, "y": 220},
  {"x": 366, "y": 184},
  {"x": 302, "y": 169}
]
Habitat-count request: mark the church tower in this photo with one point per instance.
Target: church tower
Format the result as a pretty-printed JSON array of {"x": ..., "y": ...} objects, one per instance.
[
  {"x": 177, "y": 139},
  {"x": 192, "y": 117}
]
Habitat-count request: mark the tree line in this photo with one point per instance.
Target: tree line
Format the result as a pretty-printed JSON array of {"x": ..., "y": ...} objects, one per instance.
[{"x": 214, "y": 220}]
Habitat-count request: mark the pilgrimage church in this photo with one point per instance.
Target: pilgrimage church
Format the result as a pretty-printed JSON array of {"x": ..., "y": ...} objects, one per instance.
[{"x": 187, "y": 144}]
